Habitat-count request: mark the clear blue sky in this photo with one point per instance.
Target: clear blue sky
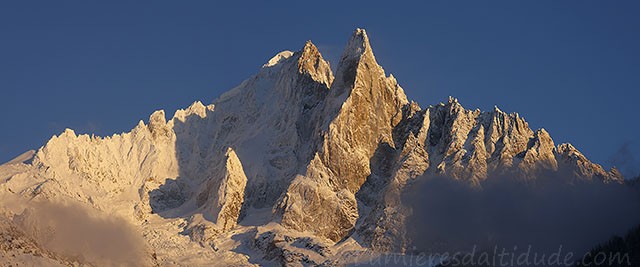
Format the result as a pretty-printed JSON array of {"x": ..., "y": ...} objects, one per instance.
[{"x": 572, "y": 67}]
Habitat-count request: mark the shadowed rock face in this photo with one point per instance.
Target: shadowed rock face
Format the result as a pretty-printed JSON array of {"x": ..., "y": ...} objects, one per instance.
[
  {"x": 327, "y": 155},
  {"x": 223, "y": 197}
]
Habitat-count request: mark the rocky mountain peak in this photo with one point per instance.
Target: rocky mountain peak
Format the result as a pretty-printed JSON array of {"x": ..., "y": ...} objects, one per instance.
[
  {"x": 289, "y": 162},
  {"x": 358, "y": 45},
  {"x": 360, "y": 113},
  {"x": 312, "y": 63},
  {"x": 357, "y": 58}
]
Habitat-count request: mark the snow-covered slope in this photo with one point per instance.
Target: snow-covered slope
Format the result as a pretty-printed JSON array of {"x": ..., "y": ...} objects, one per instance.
[{"x": 292, "y": 166}]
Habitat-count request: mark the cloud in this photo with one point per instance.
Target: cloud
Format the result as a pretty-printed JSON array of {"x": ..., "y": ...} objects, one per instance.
[
  {"x": 71, "y": 231},
  {"x": 546, "y": 212}
]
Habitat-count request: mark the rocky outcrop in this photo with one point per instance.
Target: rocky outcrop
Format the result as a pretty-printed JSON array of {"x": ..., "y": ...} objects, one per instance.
[
  {"x": 569, "y": 158},
  {"x": 448, "y": 140},
  {"x": 223, "y": 196}
]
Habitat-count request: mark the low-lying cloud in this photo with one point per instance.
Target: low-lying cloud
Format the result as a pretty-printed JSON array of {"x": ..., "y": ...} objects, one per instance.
[
  {"x": 73, "y": 233},
  {"x": 546, "y": 213}
]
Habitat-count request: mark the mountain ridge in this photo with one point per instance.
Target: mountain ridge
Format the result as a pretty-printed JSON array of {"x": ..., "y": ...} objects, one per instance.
[{"x": 319, "y": 155}]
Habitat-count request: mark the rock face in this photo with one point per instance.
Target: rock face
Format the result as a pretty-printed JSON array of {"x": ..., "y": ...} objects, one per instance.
[
  {"x": 292, "y": 151},
  {"x": 367, "y": 105},
  {"x": 222, "y": 197}
]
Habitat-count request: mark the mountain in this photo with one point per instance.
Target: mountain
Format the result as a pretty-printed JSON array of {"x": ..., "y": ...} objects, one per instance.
[{"x": 296, "y": 165}]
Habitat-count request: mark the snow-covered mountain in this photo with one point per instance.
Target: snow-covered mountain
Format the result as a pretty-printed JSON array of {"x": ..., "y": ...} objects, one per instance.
[{"x": 296, "y": 165}]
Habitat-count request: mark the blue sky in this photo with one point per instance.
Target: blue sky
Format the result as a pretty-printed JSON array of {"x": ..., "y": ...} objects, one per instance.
[{"x": 572, "y": 67}]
